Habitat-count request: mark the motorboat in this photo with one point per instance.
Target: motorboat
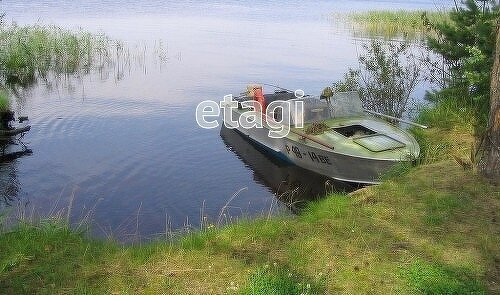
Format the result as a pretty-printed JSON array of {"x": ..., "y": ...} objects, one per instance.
[{"x": 335, "y": 137}]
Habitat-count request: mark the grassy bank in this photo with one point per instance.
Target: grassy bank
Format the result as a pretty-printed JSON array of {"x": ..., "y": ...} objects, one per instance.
[
  {"x": 394, "y": 23},
  {"x": 431, "y": 229}
]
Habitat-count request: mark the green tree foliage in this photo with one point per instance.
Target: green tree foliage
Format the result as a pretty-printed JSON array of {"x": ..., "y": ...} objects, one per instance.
[
  {"x": 386, "y": 78},
  {"x": 466, "y": 43}
]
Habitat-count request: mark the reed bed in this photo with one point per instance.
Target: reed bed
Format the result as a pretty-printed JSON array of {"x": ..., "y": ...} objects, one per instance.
[
  {"x": 32, "y": 52},
  {"x": 395, "y": 23}
]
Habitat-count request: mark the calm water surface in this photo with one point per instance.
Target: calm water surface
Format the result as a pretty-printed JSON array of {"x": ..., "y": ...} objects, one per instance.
[{"x": 124, "y": 146}]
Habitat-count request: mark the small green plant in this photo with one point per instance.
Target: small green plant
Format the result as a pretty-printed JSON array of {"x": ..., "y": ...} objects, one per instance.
[
  {"x": 4, "y": 101},
  {"x": 432, "y": 149}
]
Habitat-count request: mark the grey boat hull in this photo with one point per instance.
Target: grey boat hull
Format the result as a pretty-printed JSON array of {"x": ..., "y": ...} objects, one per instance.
[{"x": 322, "y": 161}]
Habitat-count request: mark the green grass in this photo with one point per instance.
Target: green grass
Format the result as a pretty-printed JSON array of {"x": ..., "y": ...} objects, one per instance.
[
  {"x": 427, "y": 278},
  {"x": 454, "y": 126},
  {"x": 394, "y": 23},
  {"x": 48, "y": 255},
  {"x": 448, "y": 114},
  {"x": 431, "y": 228},
  {"x": 277, "y": 280},
  {"x": 4, "y": 101}
]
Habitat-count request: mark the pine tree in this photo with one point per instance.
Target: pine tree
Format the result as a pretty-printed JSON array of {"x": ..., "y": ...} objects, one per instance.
[{"x": 467, "y": 43}]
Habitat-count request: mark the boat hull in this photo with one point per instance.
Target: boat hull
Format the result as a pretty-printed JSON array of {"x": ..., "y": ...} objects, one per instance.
[{"x": 325, "y": 162}]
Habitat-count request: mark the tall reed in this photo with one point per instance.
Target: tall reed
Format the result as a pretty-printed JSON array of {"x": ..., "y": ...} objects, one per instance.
[
  {"x": 32, "y": 52},
  {"x": 394, "y": 23}
]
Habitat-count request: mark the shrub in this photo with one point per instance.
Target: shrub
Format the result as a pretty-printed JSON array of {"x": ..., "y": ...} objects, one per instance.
[{"x": 387, "y": 76}]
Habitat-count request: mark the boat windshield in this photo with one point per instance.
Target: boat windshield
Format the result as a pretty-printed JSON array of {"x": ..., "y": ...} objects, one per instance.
[
  {"x": 342, "y": 104},
  {"x": 346, "y": 104},
  {"x": 314, "y": 110}
]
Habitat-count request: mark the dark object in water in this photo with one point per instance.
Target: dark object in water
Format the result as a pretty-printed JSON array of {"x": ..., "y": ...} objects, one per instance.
[
  {"x": 22, "y": 119},
  {"x": 5, "y": 118},
  {"x": 14, "y": 131},
  {"x": 7, "y": 157},
  {"x": 7, "y": 150}
]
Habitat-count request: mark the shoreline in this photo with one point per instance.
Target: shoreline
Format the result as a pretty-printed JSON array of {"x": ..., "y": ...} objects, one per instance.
[{"x": 428, "y": 228}]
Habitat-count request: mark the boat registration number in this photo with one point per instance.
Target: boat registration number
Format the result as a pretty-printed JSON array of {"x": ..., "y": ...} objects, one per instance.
[{"x": 294, "y": 150}]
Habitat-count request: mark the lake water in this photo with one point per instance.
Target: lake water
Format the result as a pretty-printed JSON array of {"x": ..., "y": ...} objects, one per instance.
[{"x": 123, "y": 146}]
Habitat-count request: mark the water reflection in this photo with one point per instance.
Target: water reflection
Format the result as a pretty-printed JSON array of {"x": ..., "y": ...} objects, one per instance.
[
  {"x": 9, "y": 186},
  {"x": 291, "y": 184},
  {"x": 10, "y": 150}
]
